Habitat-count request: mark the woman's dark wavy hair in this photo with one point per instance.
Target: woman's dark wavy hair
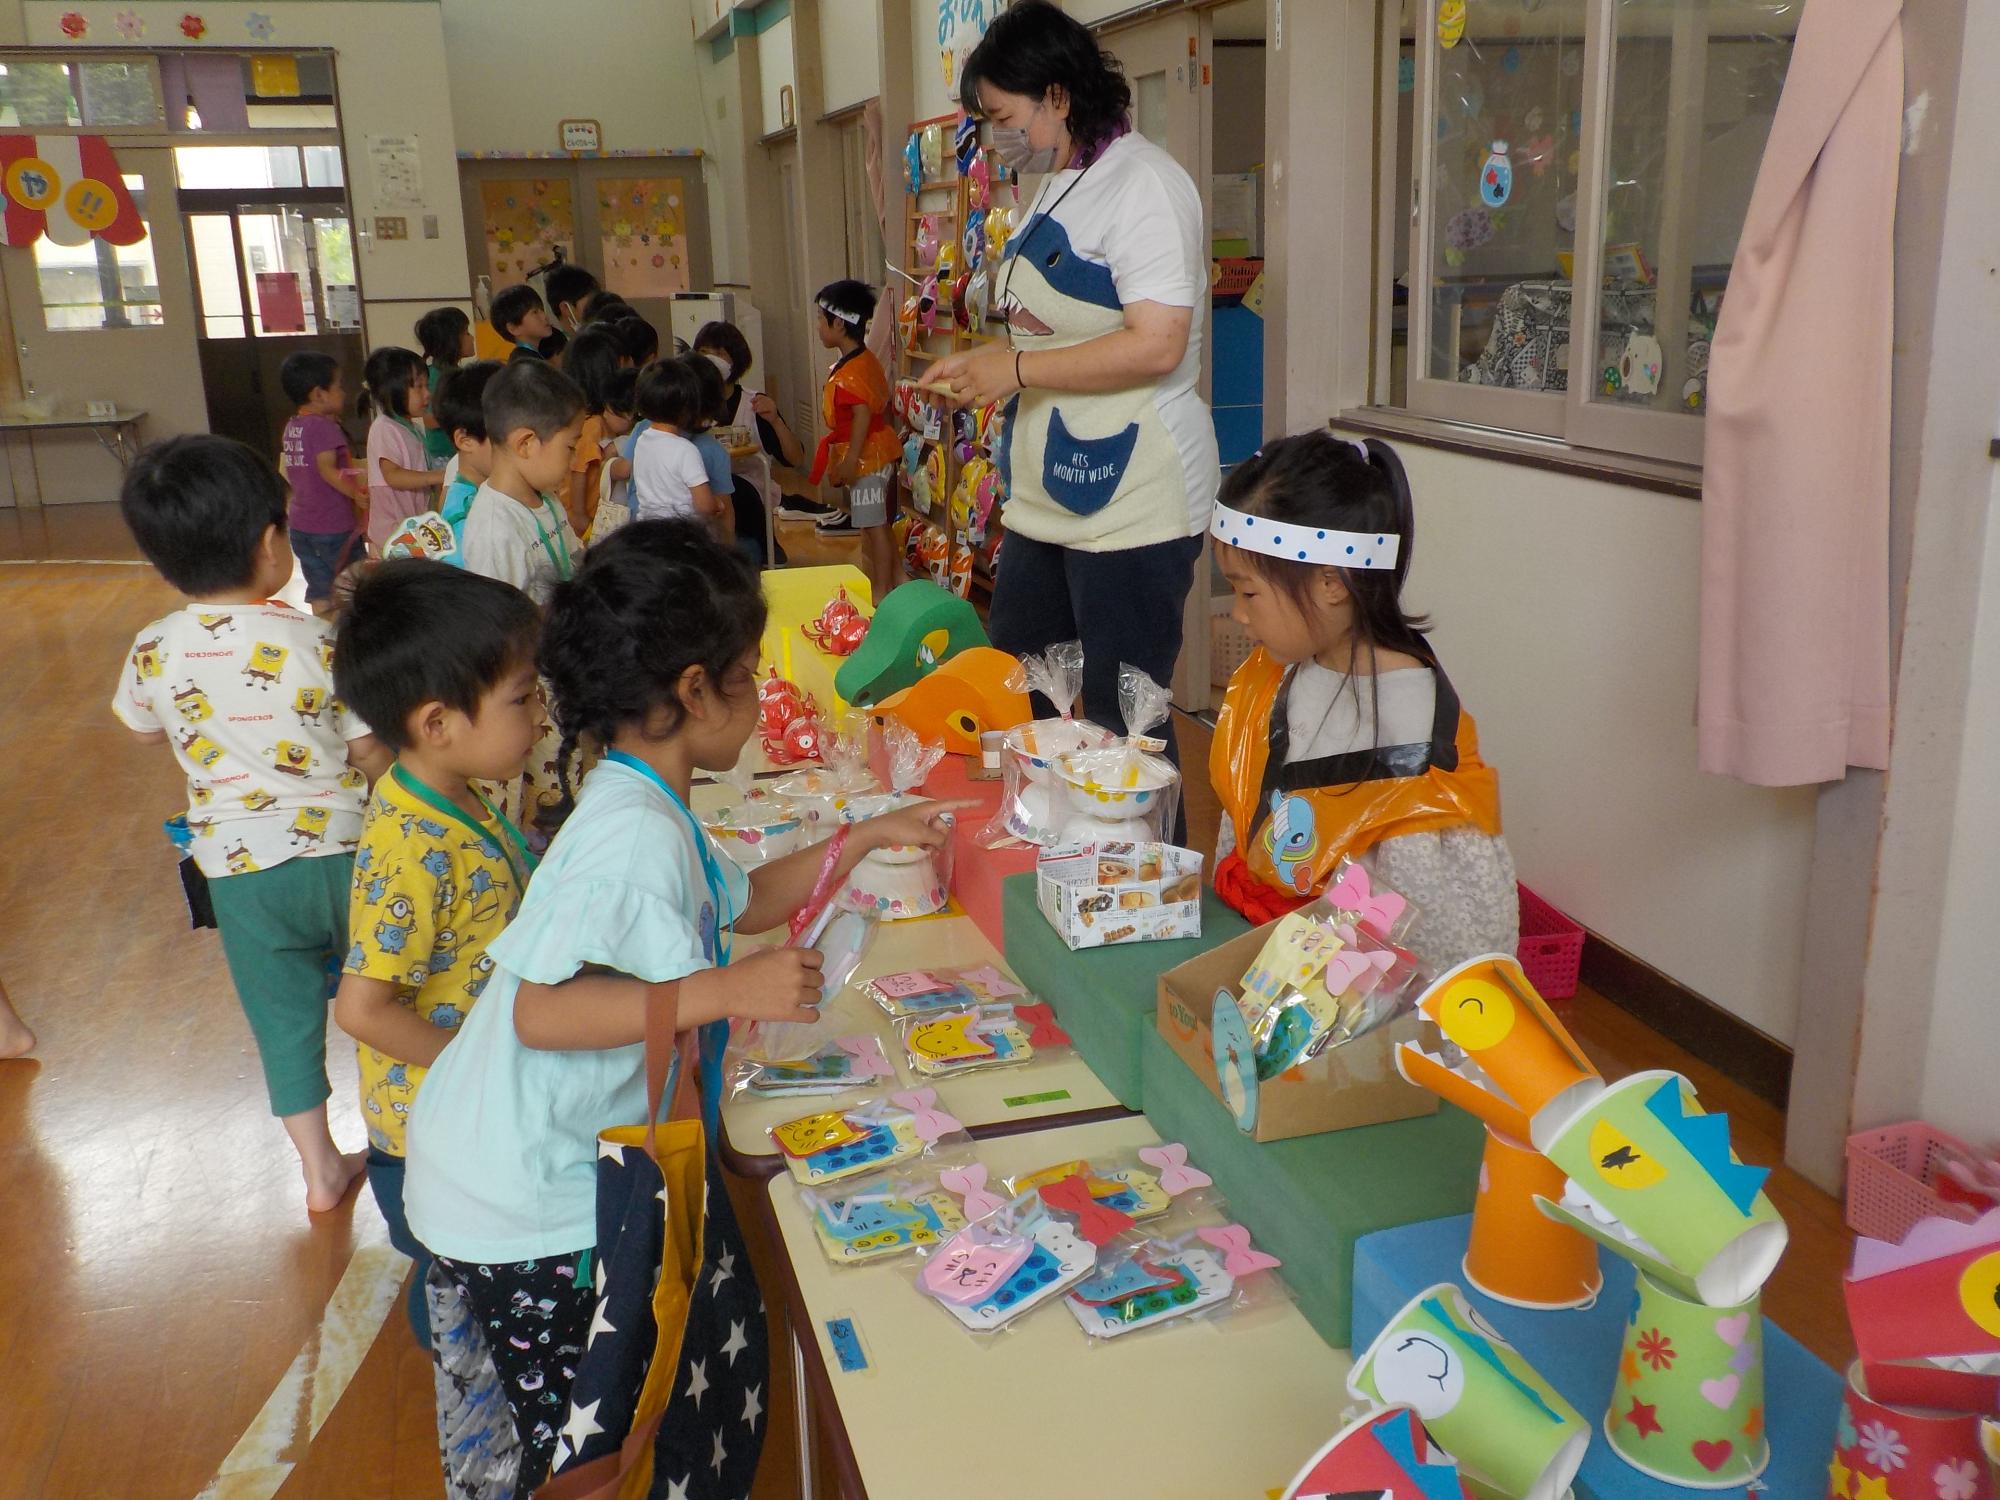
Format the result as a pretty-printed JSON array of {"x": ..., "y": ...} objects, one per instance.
[
  {"x": 1032, "y": 47},
  {"x": 652, "y": 600}
]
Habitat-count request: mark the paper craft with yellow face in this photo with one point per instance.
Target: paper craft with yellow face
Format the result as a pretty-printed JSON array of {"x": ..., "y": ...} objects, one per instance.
[
  {"x": 949, "y": 1040},
  {"x": 813, "y": 1133},
  {"x": 1516, "y": 1053},
  {"x": 1926, "y": 1314}
]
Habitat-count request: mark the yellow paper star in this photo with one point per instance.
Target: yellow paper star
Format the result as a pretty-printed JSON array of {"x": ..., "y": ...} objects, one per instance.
[
  {"x": 1872, "y": 1487},
  {"x": 1837, "y": 1476},
  {"x": 1630, "y": 1365}
]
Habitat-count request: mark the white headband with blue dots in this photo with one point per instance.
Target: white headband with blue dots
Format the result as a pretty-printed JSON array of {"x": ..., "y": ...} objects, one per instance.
[{"x": 1310, "y": 544}]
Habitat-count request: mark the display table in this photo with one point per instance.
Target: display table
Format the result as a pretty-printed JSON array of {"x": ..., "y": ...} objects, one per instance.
[
  {"x": 1227, "y": 1408},
  {"x": 1106, "y": 997},
  {"x": 1309, "y": 1200},
  {"x": 1056, "y": 1087},
  {"x": 1578, "y": 1352}
]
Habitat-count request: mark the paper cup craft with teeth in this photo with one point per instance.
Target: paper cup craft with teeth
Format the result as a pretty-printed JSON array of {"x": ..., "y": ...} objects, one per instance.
[
  {"x": 1386, "y": 1455},
  {"x": 1926, "y": 1314},
  {"x": 1653, "y": 1176},
  {"x": 1513, "y": 1434},
  {"x": 1910, "y": 1453},
  {"x": 1688, "y": 1405}
]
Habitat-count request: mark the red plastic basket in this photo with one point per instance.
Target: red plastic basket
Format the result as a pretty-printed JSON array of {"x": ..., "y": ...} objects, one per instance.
[
  {"x": 1892, "y": 1178},
  {"x": 1551, "y": 948}
]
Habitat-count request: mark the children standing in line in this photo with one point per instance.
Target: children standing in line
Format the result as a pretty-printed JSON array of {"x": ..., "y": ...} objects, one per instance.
[
  {"x": 639, "y": 339},
  {"x": 400, "y": 482},
  {"x": 514, "y": 531},
  {"x": 1341, "y": 735},
  {"x": 326, "y": 504},
  {"x": 669, "y": 480},
  {"x": 443, "y": 663},
  {"x": 277, "y": 767},
  {"x": 743, "y": 506},
  {"x": 461, "y": 415},
  {"x": 445, "y": 336},
  {"x": 568, "y": 289},
  {"x": 614, "y": 490},
  {"x": 518, "y": 316},
  {"x": 592, "y": 360},
  {"x": 652, "y": 653},
  {"x": 860, "y": 451}
]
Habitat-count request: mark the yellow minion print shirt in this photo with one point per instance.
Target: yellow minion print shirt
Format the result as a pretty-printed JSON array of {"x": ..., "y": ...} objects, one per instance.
[{"x": 429, "y": 896}]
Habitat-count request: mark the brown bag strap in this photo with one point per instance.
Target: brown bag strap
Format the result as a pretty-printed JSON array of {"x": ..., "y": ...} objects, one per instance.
[{"x": 663, "y": 1043}]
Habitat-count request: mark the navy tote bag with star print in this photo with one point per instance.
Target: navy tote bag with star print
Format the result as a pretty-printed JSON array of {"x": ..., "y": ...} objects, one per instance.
[{"x": 670, "y": 1392}]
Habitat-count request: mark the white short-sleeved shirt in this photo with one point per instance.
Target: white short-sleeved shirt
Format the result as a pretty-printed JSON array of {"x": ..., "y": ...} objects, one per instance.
[
  {"x": 1109, "y": 470},
  {"x": 533, "y": 549},
  {"x": 245, "y": 695},
  {"x": 666, "y": 467},
  {"x": 503, "y": 1138}
]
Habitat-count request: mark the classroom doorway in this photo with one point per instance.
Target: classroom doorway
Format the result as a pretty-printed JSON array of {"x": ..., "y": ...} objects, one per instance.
[{"x": 638, "y": 223}]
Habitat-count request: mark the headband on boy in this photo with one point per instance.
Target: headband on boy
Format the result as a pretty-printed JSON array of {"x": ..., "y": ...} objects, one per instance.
[
  {"x": 1309, "y": 544},
  {"x": 838, "y": 314}
]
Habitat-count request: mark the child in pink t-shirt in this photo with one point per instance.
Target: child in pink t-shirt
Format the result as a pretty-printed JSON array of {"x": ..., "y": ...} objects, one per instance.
[{"x": 399, "y": 484}]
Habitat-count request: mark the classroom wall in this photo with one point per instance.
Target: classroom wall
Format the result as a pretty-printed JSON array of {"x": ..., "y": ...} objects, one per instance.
[
  {"x": 1238, "y": 132},
  {"x": 850, "y": 37},
  {"x": 776, "y": 71},
  {"x": 927, "y": 78}
]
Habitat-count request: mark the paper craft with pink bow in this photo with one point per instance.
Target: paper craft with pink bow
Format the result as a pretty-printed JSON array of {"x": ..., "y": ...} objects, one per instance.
[
  {"x": 969, "y": 1185},
  {"x": 1094, "y": 1222},
  {"x": 1351, "y": 965},
  {"x": 1042, "y": 1028},
  {"x": 1926, "y": 1315},
  {"x": 1238, "y": 1257},
  {"x": 974, "y": 1263},
  {"x": 1378, "y": 911},
  {"x": 931, "y": 1123},
  {"x": 1176, "y": 1176},
  {"x": 868, "y": 1059}
]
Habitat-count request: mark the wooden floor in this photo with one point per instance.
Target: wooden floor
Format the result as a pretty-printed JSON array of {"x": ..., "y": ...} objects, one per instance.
[{"x": 158, "y": 1274}]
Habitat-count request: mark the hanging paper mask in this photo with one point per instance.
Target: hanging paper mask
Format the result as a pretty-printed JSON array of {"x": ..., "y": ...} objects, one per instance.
[
  {"x": 1926, "y": 1314},
  {"x": 913, "y": 163},
  {"x": 927, "y": 240},
  {"x": 981, "y": 177},
  {"x": 965, "y": 142}
]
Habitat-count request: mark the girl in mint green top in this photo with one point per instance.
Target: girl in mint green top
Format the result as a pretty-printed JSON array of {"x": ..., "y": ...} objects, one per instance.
[
  {"x": 650, "y": 651},
  {"x": 445, "y": 336}
]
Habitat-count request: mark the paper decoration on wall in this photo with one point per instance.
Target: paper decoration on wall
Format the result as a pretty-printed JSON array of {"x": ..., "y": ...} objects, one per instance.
[
  {"x": 644, "y": 226},
  {"x": 1496, "y": 177},
  {"x": 1688, "y": 1406},
  {"x": 960, "y": 25},
  {"x": 397, "y": 171},
  {"x": 1451, "y": 22},
  {"x": 275, "y": 75},
  {"x": 68, "y": 187},
  {"x": 260, "y": 26},
  {"x": 193, "y": 27},
  {"x": 525, "y": 221},
  {"x": 1384, "y": 1454},
  {"x": 1638, "y": 369},
  {"x": 129, "y": 25},
  {"x": 1926, "y": 1314},
  {"x": 1468, "y": 229},
  {"x": 74, "y": 26}
]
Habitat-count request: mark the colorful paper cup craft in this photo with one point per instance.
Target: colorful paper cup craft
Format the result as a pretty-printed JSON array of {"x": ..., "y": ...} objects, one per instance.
[
  {"x": 1653, "y": 1176},
  {"x": 1688, "y": 1404},
  {"x": 1385, "y": 1455},
  {"x": 1926, "y": 1314},
  {"x": 991, "y": 1272},
  {"x": 1514, "y": 1047},
  {"x": 876, "y": 1221},
  {"x": 916, "y": 628},
  {"x": 1910, "y": 1453},
  {"x": 1517, "y": 1254},
  {"x": 1510, "y": 1430}
]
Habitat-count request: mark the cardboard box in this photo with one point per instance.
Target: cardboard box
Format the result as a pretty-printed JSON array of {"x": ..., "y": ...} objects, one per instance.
[
  {"x": 1095, "y": 895},
  {"x": 1341, "y": 1088}
]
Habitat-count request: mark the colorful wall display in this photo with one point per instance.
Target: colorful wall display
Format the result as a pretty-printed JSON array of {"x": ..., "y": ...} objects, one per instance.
[
  {"x": 68, "y": 187},
  {"x": 643, "y": 225},
  {"x": 525, "y": 219}
]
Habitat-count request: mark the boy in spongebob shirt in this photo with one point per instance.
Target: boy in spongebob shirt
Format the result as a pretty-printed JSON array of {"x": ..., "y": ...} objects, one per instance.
[
  {"x": 443, "y": 661},
  {"x": 277, "y": 769}
]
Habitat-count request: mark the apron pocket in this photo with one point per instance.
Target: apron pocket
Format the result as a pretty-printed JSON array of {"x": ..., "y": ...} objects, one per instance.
[{"x": 1082, "y": 474}]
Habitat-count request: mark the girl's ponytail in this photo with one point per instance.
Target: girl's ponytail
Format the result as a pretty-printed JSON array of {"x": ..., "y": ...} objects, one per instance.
[{"x": 1385, "y": 459}]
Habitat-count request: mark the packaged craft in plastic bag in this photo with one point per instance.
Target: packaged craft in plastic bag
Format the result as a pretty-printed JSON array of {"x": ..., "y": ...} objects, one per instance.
[
  {"x": 844, "y": 1064},
  {"x": 1157, "y": 1280},
  {"x": 757, "y": 827},
  {"x": 946, "y": 1043},
  {"x": 878, "y": 1132},
  {"x": 881, "y": 1217},
  {"x": 908, "y": 880},
  {"x": 822, "y": 793},
  {"x": 841, "y": 937},
  {"x": 1125, "y": 790},
  {"x": 1033, "y": 802},
  {"x": 1317, "y": 985},
  {"x": 1005, "y": 1264},
  {"x": 919, "y": 992},
  {"x": 1119, "y": 1191}
]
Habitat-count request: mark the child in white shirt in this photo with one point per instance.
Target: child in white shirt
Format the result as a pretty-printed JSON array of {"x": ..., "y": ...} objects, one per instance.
[{"x": 669, "y": 479}]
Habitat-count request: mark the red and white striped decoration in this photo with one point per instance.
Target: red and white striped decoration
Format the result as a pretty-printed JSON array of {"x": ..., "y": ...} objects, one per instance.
[{"x": 67, "y": 187}]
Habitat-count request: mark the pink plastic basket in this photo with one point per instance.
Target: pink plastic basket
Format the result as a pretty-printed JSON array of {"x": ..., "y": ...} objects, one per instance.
[
  {"x": 1892, "y": 1175},
  {"x": 1551, "y": 949}
]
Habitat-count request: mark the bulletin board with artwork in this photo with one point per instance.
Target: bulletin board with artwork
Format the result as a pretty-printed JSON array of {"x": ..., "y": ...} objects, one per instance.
[
  {"x": 522, "y": 220},
  {"x": 642, "y": 234}
]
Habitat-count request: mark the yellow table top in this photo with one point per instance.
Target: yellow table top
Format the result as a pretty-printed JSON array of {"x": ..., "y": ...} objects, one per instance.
[{"x": 1227, "y": 1407}]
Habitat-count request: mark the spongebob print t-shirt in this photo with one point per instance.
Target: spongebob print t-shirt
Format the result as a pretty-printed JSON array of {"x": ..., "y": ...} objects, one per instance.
[
  {"x": 1105, "y": 471},
  {"x": 429, "y": 895},
  {"x": 245, "y": 695}
]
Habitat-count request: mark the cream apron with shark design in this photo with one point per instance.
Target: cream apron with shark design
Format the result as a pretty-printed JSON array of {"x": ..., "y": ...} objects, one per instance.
[{"x": 1107, "y": 471}]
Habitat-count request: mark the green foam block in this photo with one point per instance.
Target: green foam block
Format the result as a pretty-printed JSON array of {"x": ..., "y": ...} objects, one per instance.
[
  {"x": 916, "y": 627},
  {"x": 1307, "y": 1200},
  {"x": 1105, "y": 997}
]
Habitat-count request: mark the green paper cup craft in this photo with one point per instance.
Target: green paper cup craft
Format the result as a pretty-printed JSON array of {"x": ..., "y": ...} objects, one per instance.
[
  {"x": 1652, "y": 1176},
  {"x": 1514, "y": 1436},
  {"x": 1688, "y": 1404},
  {"x": 916, "y": 627}
]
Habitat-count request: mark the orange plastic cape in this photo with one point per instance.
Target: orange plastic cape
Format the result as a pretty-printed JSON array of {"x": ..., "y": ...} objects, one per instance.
[
  {"x": 860, "y": 378},
  {"x": 1295, "y": 822}
]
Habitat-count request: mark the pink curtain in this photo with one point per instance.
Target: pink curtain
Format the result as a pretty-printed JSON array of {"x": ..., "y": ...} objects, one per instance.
[{"x": 1795, "y": 492}]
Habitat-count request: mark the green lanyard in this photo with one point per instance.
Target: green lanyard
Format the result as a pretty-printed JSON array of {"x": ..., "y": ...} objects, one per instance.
[
  {"x": 450, "y": 809},
  {"x": 565, "y": 568}
]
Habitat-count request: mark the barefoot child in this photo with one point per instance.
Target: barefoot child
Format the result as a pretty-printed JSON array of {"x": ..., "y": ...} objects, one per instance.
[
  {"x": 444, "y": 661},
  {"x": 277, "y": 768}
]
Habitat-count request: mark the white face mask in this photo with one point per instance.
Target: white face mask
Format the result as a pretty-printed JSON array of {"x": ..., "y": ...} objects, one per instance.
[
  {"x": 720, "y": 363},
  {"x": 1017, "y": 153}
]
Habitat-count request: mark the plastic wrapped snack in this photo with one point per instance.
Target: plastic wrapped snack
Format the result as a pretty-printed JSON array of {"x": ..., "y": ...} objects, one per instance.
[
  {"x": 869, "y": 1136},
  {"x": 881, "y": 1217},
  {"x": 1158, "y": 1281},
  {"x": 1006, "y": 1264},
  {"x": 908, "y": 881},
  {"x": 1033, "y": 803},
  {"x": 919, "y": 992},
  {"x": 840, "y": 1066},
  {"x": 1127, "y": 789},
  {"x": 949, "y": 1042}
]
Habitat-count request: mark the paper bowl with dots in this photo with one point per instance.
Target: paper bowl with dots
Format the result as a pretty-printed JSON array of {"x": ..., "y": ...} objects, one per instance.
[{"x": 758, "y": 831}]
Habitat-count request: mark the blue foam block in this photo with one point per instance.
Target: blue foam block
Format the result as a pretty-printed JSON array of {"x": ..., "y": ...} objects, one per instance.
[{"x": 1578, "y": 1352}]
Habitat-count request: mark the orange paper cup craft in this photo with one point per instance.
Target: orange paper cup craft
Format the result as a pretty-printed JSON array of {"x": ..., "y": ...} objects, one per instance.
[
  {"x": 1513, "y": 1045},
  {"x": 1517, "y": 1254}
]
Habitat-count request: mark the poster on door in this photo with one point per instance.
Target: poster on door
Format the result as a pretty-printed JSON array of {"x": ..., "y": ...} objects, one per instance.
[
  {"x": 281, "y": 302},
  {"x": 643, "y": 223},
  {"x": 524, "y": 221}
]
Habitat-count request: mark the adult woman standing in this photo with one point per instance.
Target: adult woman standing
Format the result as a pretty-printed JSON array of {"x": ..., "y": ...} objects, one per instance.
[{"x": 1110, "y": 451}]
